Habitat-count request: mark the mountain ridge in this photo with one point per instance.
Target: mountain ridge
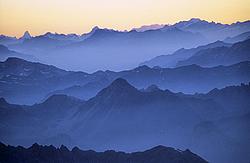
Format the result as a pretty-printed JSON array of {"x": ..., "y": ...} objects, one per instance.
[
  {"x": 238, "y": 52},
  {"x": 101, "y": 49},
  {"x": 137, "y": 118},
  {"x": 44, "y": 80},
  {"x": 172, "y": 59},
  {"x": 39, "y": 153}
]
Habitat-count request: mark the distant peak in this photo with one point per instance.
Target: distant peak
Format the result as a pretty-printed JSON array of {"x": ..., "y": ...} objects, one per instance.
[
  {"x": 35, "y": 146},
  {"x": 3, "y": 101},
  {"x": 26, "y": 35},
  {"x": 98, "y": 29},
  {"x": 120, "y": 82},
  {"x": 64, "y": 148},
  {"x": 195, "y": 20},
  {"x": 118, "y": 87},
  {"x": 48, "y": 34},
  {"x": 75, "y": 149},
  {"x": 95, "y": 28},
  {"x": 142, "y": 68},
  {"x": 14, "y": 60},
  {"x": 161, "y": 148},
  {"x": 149, "y": 27},
  {"x": 152, "y": 88}
]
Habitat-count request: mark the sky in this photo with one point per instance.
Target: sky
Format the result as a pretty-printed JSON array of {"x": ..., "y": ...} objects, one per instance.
[{"x": 80, "y": 16}]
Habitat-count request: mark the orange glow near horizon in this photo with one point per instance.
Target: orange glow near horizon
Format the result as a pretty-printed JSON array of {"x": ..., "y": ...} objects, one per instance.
[{"x": 79, "y": 16}]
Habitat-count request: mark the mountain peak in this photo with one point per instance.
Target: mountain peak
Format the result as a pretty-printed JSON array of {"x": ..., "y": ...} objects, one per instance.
[
  {"x": 152, "y": 88},
  {"x": 3, "y": 102},
  {"x": 118, "y": 87},
  {"x": 95, "y": 28},
  {"x": 35, "y": 146},
  {"x": 160, "y": 148},
  {"x": 149, "y": 27},
  {"x": 64, "y": 148},
  {"x": 142, "y": 68},
  {"x": 120, "y": 82},
  {"x": 195, "y": 20},
  {"x": 26, "y": 35},
  {"x": 14, "y": 60}
]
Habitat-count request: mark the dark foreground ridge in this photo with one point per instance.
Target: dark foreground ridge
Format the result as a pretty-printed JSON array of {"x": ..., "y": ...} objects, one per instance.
[{"x": 45, "y": 154}]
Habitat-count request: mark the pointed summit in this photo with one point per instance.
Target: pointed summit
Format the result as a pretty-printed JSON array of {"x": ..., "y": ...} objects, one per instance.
[
  {"x": 119, "y": 87},
  {"x": 121, "y": 84},
  {"x": 87, "y": 35},
  {"x": 95, "y": 28},
  {"x": 63, "y": 148},
  {"x": 26, "y": 35}
]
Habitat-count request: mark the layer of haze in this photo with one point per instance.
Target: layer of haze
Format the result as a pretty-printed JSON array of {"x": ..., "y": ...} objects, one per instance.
[{"x": 79, "y": 16}]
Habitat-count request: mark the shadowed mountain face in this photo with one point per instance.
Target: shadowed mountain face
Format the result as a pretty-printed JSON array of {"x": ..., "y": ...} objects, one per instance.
[
  {"x": 181, "y": 54},
  {"x": 123, "y": 118},
  {"x": 45, "y": 154},
  {"x": 238, "y": 38},
  {"x": 220, "y": 56},
  {"x": 27, "y": 82},
  {"x": 214, "y": 54},
  {"x": 236, "y": 97}
]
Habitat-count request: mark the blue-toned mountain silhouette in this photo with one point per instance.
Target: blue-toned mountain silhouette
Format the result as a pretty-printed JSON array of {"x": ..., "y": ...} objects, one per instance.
[
  {"x": 28, "y": 82},
  {"x": 43, "y": 154},
  {"x": 124, "y": 118},
  {"x": 103, "y": 49}
]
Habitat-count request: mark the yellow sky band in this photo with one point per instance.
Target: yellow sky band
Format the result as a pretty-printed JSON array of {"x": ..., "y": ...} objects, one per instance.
[{"x": 79, "y": 16}]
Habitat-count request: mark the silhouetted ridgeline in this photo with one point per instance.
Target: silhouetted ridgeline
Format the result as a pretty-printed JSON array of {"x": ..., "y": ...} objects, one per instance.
[
  {"x": 49, "y": 154},
  {"x": 213, "y": 54},
  {"x": 122, "y": 117},
  {"x": 103, "y": 49},
  {"x": 220, "y": 56},
  {"x": 26, "y": 82}
]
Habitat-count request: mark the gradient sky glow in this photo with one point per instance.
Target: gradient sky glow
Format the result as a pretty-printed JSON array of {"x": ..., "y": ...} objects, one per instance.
[{"x": 79, "y": 16}]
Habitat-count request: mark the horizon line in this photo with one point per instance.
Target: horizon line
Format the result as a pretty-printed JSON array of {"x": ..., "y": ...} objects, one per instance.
[{"x": 126, "y": 30}]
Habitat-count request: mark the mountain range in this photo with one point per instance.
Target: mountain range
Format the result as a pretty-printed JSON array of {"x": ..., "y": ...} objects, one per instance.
[
  {"x": 214, "y": 54},
  {"x": 190, "y": 91},
  {"x": 182, "y": 54},
  {"x": 103, "y": 49},
  {"x": 121, "y": 117},
  {"x": 27, "y": 82},
  {"x": 238, "y": 38},
  {"x": 44, "y": 154},
  {"x": 238, "y": 52},
  {"x": 211, "y": 30}
]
